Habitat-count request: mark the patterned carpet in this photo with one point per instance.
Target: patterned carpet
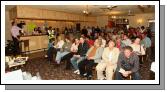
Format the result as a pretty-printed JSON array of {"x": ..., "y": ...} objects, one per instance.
[{"x": 50, "y": 71}]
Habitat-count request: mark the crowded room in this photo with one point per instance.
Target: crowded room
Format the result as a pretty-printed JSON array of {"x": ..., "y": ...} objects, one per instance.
[{"x": 79, "y": 42}]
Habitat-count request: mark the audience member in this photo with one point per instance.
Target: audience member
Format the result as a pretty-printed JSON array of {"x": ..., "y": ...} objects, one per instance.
[
  {"x": 80, "y": 55},
  {"x": 93, "y": 55},
  {"x": 128, "y": 65},
  {"x": 64, "y": 50},
  {"x": 109, "y": 62}
]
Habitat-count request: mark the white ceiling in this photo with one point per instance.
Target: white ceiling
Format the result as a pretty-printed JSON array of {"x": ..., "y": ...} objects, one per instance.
[{"x": 94, "y": 9}]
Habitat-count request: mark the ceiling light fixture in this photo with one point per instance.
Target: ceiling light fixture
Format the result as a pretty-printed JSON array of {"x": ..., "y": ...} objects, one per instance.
[{"x": 86, "y": 11}]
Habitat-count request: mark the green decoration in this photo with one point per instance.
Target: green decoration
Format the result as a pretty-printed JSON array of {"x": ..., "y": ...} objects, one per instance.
[{"x": 31, "y": 27}]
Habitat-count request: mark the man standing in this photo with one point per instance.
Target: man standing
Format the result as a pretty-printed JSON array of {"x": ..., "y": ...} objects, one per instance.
[
  {"x": 146, "y": 41},
  {"x": 128, "y": 64},
  {"x": 85, "y": 31},
  {"x": 15, "y": 36}
]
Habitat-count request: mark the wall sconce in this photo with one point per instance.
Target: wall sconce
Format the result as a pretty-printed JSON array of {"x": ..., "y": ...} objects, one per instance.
[
  {"x": 113, "y": 17},
  {"x": 120, "y": 17},
  {"x": 139, "y": 21}
]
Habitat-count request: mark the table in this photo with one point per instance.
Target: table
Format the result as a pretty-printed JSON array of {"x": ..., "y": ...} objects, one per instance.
[
  {"x": 16, "y": 61},
  {"x": 25, "y": 44},
  {"x": 34, "y": 43}
]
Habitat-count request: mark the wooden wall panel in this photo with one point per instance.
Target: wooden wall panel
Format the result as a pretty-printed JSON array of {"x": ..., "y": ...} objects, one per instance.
[
  {"x": 40, "y": 14},
  {"x": 76, "y": 17},
  {"x": 81, "y": 18},
  {"x": 44, "y": 14},
  {"x": 58, "y": 15},
  {"x": 13, "y": 13},
  {"x": 49, "y": 15},
  {"x": 58, "y": 24},
  {"x": 70, "y": 17},
  {"x": 19, "y": 12},
  {"x": 65, "y": 16},
  {"x": 55, "y": 19},
  {"x": 52, "y": 23},
  {"x": 85, "y": 18},
  {"x": 92, "y": 19},
  {"x": 27, "y": 12},
  {"x": 55, "y": 14}
]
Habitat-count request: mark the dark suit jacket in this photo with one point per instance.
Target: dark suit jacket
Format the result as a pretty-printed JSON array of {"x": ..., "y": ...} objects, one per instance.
[{"x": 83, "y": 48}]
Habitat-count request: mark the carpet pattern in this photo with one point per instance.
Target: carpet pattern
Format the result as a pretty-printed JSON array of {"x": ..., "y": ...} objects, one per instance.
[{"x": 50, "y": 71}]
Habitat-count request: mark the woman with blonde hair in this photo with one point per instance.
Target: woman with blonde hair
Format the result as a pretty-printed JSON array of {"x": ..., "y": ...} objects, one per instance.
[{"x": 60, "y": 42}]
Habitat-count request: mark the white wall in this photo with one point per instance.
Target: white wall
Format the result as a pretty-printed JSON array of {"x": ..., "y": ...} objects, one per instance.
[
  {"x": 102, "y": 21},
  {"x": 133, "y": 20},
  {"x": 7, "y": 27}
]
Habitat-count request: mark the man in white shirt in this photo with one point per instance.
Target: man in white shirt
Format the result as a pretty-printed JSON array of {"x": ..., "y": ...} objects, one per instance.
[{"x": 15, "y": 36}]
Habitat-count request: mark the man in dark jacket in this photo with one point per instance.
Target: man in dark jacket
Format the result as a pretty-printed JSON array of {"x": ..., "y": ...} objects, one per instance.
[
  {"x": 98, "y": 29},
  {"x": 84, "y": 31},
  {"x": 128, "y": 64},
  {"x": 80, "y": 55}
]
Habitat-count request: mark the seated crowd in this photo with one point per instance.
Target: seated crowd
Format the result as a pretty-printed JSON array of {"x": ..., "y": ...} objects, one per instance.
[{"x": 114, "y": 54}]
